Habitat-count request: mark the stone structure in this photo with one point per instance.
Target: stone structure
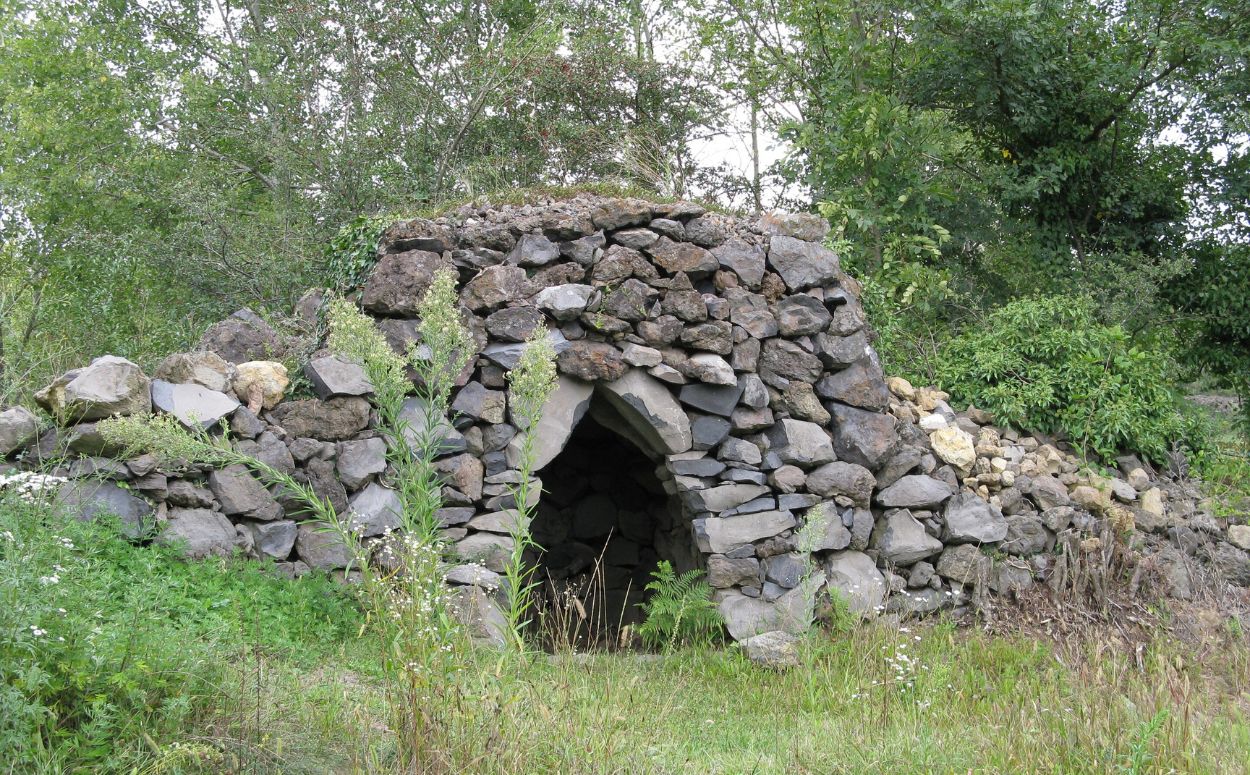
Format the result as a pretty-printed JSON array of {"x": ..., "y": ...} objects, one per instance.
[{"x": 717, "y": 388}]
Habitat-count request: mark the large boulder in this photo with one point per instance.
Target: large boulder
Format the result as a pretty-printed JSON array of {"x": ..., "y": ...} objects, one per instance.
[
  {"x": 805, "y": 444},
  {"x": 863, "y": 437},
  {"x": 777, "y": 649},
  {"x": 333, "y": 375},
  {"x": 802, "y": 264},
  {"x": 374, "y": 511},
  {"x": 724, "y": 534},
  {"x": 195, "y": 406},
  {"x": 110, "y": 386},
  {"x": 242, "y": 337},
  {"x": 334, "y": 419},
  {"x": 399, "y": 282},
  {"x": 91, "y": 499},
  {"x": 855, "y": 578},
  {"x": 240, "y": 494},
  {"x": 915, "y": 492},
  {"x": 563, "y": 411},
  {"x": 198, "y": 533},
  {"x": 901, "y": 540},
  {"x": 204, "y": 368},
  {"x": 972, "y": 520},
  {"x": 359, "y": 461},
  {"x": 19, "y": 427},
  {"x": 652, "y": 411}
]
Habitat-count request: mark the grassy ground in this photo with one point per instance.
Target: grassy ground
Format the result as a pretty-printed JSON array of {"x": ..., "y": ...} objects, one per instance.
[{"x": 132, "y": 661}]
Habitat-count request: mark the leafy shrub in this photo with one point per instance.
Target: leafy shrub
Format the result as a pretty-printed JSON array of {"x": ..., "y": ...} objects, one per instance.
[
  {"x": 680, "y": 610},
  {"x": 352, "y": 253},
  {"x": 1048, "y": 365},
  {"x": 108, "y": 649}
]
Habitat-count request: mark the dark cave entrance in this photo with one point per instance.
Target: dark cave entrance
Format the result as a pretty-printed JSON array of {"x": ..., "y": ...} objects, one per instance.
[{"x": 604, "y": 522}]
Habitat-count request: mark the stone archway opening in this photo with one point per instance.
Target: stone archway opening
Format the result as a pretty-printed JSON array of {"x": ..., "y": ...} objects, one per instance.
[{"x": 604, "y": 521}]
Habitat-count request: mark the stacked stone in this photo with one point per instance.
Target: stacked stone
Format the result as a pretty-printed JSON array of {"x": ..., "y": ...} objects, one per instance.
[{"x": 734, "y": 354}]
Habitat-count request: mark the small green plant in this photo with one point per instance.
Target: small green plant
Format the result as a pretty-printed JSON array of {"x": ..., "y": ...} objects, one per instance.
[
  {"x": 530, "y": 383},
  {"x": 1047, "y": 364},
  {"x": 680, "y": 611}
]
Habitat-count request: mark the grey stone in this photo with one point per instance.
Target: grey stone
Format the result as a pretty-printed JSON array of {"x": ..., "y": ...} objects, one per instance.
[
  {"x": 805, "y": 226},
  {"x": 592, "y": 361},
  {"x": 334, "y": 376},
  {"x": 1011, "y": 576},
  {"x": 838, "y": 352},
  {"x": 194, "y": 406},
  {"x": 863, "y": 437},
  {"x": 374, "y": 511},
  {"x": 722, "y": 497},
  {"x": 245, "y": 424},
  {"x": 480, "y": 616},
  {"x": 564, "y": 409},
  {"x": 204, "y": 368},
  {"x": 972, "y": 520},
  {"x": 421, "y": 430},
  {"x": 504, "y": 522},
  {"x": 198, "y": 533},
  {"x": 723, "y": 572},
  {"x": 736, "y": 450},
  {"x": 711, "y": 369},
  {"x": 650, "y": 410},
  {"x": 321, "y": 548},
  {"x": 1048, "y": 492},
  {"x": 804, "y": 444},
  {"x": 714, "y": 399},
  {"x": 840, "y": 478},
  {"x": 241, "y": 495},
  {"x": 398, "y": 283},
  {"x": 472, "y": 575},
  {"x": 855, "y": 578},
  {"x": 915, "y": 492},
  {"x": 707, "y": 431},
  {"x": 782, "y": 358},
  {"x": 493, "y": 287},
  {"x": 487, "y": 549},
  {"x": 1026, "y": 535},
  {"x": 109, "y": 386},
  {"x": 713, "y": 336},
  {"x": 19, "y": 428},
  {"x": 682, "y": 257},
  {"x": 800, "y": 315},
  {"x": 638, "y": 355},
  {"x": 861, "y": 384},
  {"x": 613, "y": 214},
  {"x": 358, "y": 462},
  {"x": 533, "y": 250},
  {"x": 334, "y": 419},
  {"x": 242, "y": 337},
  {"x": 508, "y": 354},
  {"x": 743, "y": 258},
  {"x": 703, "y": 467},
  {"x": 88, "y": 500},
  {"x": 802, "y": 264},
  {"x": 963, "y": 563},
  {"x": 514, "y": 324},
  {"x": 902, "y": 540},
  {"x": 723, "y": 534},
  {"x": 777, "y": 650},
  {"x": 747, "y": 616},
  {"x": 274, "y": 539},
  {"x": 564, "y": 302}
]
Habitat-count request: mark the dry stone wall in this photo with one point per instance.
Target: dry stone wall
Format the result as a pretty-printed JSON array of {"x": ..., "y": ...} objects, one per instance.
[{"x": 718, "y": 388}]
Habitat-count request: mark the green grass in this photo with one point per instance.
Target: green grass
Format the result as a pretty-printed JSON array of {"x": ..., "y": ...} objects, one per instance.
[{"x": 218, "y": 666}]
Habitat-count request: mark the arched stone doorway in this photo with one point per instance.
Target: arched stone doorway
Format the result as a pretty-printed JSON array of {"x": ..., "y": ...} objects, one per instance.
[{"x": 607, "y": 514}]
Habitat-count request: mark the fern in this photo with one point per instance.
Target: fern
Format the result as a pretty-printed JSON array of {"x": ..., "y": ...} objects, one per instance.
[{"x": 680, "y": 610}]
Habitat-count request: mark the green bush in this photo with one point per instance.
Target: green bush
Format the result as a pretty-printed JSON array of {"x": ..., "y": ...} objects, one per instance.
[
  {"x": 108, "y": 649},
  {"x": 1046, "y": 364}
]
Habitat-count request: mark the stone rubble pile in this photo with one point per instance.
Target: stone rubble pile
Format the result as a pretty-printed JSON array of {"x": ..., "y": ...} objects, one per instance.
[{"x": 733, "y": 354}]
